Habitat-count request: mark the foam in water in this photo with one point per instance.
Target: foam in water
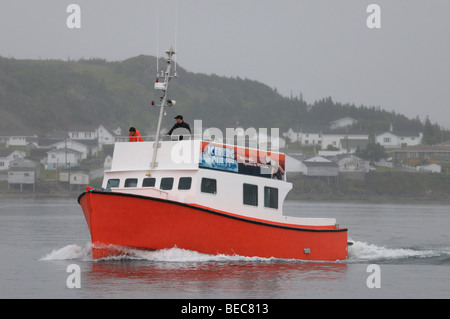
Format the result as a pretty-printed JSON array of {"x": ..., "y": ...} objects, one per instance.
[
  {"x": 175, "y": 254},
  {"x": 359, "y": 251},
  {"x": 362, "y": 251},
  {"x": 70, "y": 252}
]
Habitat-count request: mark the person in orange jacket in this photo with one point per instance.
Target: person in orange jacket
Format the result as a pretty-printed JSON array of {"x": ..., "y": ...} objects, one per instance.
[{"x": 134, "y": 135}]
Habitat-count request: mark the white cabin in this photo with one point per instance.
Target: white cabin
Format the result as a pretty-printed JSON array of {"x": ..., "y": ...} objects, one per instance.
[{"x": 219, "y": 177}]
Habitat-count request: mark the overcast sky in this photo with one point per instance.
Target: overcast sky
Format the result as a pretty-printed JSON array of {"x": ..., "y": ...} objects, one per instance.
[{"x": 320, "y": 48}]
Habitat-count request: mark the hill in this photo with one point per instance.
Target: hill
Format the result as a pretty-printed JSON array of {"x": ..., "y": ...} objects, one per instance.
[{"x": 41, "y": 96}]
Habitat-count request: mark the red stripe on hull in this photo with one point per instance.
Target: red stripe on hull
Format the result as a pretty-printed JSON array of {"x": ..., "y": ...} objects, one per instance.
[{"x": 147, "y": 223}]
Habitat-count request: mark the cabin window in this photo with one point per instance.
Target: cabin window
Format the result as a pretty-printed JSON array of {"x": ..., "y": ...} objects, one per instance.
[
  {"x": 112, "y": 183},
  {"x": 209, "y": 186},
  {"x": 250, "y": 194},
  {"x": 184, "y": 183},
  {"x": 271, "y": 197},
  {"x": 149, "y": 182},
  {"x": 166, "y": 183},
  {"x": 131, "y": 182}
]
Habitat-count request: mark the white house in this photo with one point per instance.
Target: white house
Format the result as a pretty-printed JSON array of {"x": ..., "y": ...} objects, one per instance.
[
  {"x": 319, "y": 166},
  {"x": 341, "y": 140},
  {"x": 431, "y": 168},
  {"x": 69, "y": 144},
  {"x": 100, "y": 134},
  {"x": 291, "y": 135},
  {"x": 392, "y": 139},
  {"x": 310, "y": 138},
  {"x": 6, "y": 156},
  {"x": 343, "y": 122},
  {"x": 82, "y": 133},
  {"x": 61, "y": 157},
  {"x": 105, "y": 137},
  {"x": 352, "y": 167},
  {"x": 22, "y": 172},
  {"x": 16, "y": 139}
]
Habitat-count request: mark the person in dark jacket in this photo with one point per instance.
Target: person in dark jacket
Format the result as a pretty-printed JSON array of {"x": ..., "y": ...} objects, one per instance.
[{"x": 179, "y": 124}]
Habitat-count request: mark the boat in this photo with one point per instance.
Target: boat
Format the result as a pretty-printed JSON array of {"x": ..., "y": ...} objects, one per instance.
[{"x": 203, "y": 195}]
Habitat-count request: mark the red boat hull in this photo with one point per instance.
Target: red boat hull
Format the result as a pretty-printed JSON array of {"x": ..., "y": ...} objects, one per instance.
[{"x": 116, "y": 219}]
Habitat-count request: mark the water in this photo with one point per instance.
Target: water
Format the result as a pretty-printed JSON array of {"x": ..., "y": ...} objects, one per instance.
[{"x": 40, "y": 238}]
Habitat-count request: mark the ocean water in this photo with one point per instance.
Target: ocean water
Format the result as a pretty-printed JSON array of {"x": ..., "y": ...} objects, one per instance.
[{"x": 41, "y": 239}]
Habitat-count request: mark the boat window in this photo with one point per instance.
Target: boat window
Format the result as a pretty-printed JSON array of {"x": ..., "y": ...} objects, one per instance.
[
  {"x": 166, "y": 183},
  {"x": 131, "y": 182},
  {"x": 250, "y": 194},
  {"x": 185, "y": 183},
  {"x": 113, "y": 183},
  {"x": 271, "y": 197},
  {"x": 149, "y": 182},
  {"x": 209, "y": 186}
]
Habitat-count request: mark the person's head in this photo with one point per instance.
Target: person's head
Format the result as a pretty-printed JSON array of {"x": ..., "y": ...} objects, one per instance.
[
  {"x": 132, "y": 130},
  {"x": 179, "y": 118}
]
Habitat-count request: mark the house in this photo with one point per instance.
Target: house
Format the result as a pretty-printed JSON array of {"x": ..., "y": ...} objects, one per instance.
[
  {"x": 392, "y": 139},
  {"x": 80, "y": 146},
  {"x": 420, "y": 154},
  {"x": 104, "y": 136},
  {"x": 16, "y": 138},
  {"x": 61, "y": 157},
  {"x": 352, "y": 167},
  {"x": 343, "y": 122},
  {"x": 79, "y": 178},
  {"x": 291, "y": 135},
  {"x": 308, "y": 135},
  {"x": 319, "y": 166},
  {"x": 82, "y": 133},
  {"x": 75, "y": 177},
  {"x": 6, "y": 156},
  {"x": 23, "y": 173},
  {"x": 344, "y": 140},
  {"x": 431, "y": 168},
  {"x": 99, "y": 134}
]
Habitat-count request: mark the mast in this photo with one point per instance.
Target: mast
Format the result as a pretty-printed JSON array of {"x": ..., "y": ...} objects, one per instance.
[{"x": 164, "y": 101}]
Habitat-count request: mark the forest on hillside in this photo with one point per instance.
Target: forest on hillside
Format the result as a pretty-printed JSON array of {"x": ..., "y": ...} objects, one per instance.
[{"x": 42, "y": 96}]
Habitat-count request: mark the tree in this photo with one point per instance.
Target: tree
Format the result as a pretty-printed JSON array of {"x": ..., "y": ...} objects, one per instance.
[
  {"x": 373, "y": 152},
  {"x": 431, "y": 133}
]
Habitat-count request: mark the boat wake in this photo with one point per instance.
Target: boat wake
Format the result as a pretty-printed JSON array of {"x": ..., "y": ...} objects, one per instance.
[
  {"x": 358, "y": 252},
  {"x": 364, "y": 252}
]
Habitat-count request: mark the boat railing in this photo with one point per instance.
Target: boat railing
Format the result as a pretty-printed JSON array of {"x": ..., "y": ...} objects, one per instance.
[{"x": 237, "y": 141}]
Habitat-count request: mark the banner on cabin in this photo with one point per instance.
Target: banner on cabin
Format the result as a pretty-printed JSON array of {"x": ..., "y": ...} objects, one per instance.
[{"x": 242, "y": 160}]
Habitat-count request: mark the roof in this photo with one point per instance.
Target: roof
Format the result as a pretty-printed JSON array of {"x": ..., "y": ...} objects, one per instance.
[
  {"x": 23, "y": 164},
  {"x": 319, "y": 161},
  {"x": 63, "y": 150},
  {"x": 424, "y": 148},
  {"x": 342, "y": 119},
  {"x": 7, "y": 152},
  {"x": 320, "y": 164},
  {"x": 401, "y": 133}
]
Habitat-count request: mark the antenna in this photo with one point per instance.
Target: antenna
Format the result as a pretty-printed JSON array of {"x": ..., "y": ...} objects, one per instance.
[
  {"x": 164, "y": 101},
  {"x": 176, "y": 34},
  {"x": 157, "y": 38}
]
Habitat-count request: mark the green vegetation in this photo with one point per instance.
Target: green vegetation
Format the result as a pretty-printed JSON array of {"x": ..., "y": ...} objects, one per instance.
[{"x": 40, "y": 96}]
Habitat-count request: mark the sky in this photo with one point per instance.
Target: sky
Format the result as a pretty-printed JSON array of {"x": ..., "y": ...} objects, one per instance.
[{"x": 317, "y": 48}]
